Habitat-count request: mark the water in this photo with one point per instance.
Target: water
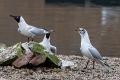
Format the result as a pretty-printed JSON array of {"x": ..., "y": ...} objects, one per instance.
[{"x": 102, "y": 23}]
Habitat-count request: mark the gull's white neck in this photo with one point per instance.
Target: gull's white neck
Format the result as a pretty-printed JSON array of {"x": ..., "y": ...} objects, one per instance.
[
  {"x": 46, "y": 41},
  {"x": 85, "y": 38},
  {"x": 22, "y": 22}
]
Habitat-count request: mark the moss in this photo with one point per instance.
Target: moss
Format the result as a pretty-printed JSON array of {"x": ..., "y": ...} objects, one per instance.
[
  {"x": 20, "y": 52},
  {"x": 10, "y": 54},
  {"x": 39, "y": 49},
  {"x": 18, "y": 49},
  {"x": 53, "y": 58}
]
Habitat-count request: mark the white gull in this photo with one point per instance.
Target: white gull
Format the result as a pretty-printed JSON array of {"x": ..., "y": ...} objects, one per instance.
[{"x": 90, "y": 51}]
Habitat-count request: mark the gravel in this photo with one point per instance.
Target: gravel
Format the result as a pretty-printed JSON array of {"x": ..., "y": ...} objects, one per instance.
[{"x": 45, "y": 73}]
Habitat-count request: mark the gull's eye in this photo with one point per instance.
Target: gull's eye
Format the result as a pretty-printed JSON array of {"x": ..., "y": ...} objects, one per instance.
[{"x": 83, "y": 30}]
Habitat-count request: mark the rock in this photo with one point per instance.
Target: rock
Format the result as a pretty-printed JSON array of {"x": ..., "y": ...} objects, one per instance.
[
  {"x": 39, "y": 49},
  {"x": 23, "y": 60},
  {"x": 9, "y": 54},
  {"x": 31, "y": 52},
  {"x": 39, "y": 59},
  {"x": 2, "y": 47},
  {"x": 68, "y": 64},
  {"x": 25, "y": 46}
]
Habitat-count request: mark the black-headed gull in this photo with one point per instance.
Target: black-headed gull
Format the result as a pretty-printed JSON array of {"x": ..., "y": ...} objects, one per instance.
[
  {"x": 28, "y": 30},
  {"x": 46, "y": 43},
  {"x": 90, "y": 51}
]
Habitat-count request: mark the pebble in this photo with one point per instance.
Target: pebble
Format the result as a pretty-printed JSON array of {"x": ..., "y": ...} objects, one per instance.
[{"x": 39, "y": 73}]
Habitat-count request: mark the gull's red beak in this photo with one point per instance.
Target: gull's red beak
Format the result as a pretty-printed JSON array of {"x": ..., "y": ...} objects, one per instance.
[{"x": 78, "y": 29}]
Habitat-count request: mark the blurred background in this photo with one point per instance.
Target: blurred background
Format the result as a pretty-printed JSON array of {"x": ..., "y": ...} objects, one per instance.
[{"x": 100, "y": 17}]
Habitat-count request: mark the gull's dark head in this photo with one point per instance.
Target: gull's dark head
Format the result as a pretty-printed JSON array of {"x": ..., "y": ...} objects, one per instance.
[
  {"x": 17, "y": 18},
  {"x": 48, "y": 35},
  {"x": 81, "y": 31},
  {"x": 48, "y": 32}
]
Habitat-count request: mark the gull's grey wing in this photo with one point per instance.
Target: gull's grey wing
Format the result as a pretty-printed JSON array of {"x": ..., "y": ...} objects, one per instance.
[
  {"x": 94, "y": 52},
  {"x": 36, "y": 31},
  {"x": 53, "y": 49}
]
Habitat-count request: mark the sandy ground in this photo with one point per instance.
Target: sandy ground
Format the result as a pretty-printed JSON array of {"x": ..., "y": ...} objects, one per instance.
[{"x": 44, "y": 73}]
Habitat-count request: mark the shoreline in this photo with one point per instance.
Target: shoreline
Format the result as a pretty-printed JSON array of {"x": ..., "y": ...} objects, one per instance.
[{"x": 44, "y": 73}]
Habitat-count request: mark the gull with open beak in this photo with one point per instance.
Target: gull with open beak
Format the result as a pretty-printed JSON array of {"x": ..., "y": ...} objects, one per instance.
[{"x": 90, "y": 51}]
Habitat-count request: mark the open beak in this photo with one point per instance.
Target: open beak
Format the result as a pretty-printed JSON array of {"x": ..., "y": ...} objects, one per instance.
[{"x": 78, "y": 29}]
